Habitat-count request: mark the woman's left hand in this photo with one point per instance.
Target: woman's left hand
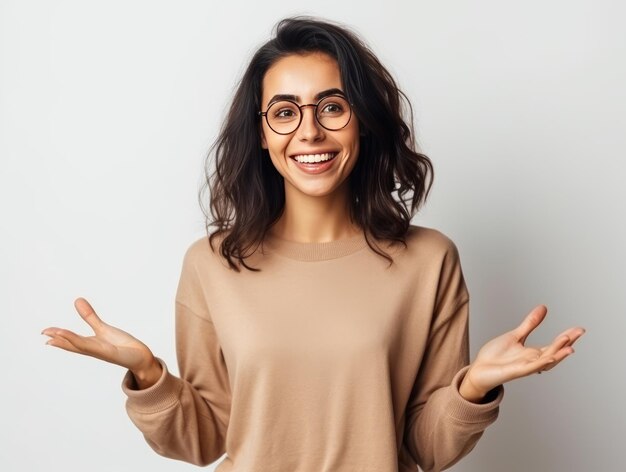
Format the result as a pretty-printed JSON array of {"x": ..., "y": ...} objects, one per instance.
[{"x": 506, "y": 358}]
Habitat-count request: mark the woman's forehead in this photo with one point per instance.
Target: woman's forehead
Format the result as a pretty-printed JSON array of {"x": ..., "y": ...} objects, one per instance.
[{"x": 304, "y": 77}]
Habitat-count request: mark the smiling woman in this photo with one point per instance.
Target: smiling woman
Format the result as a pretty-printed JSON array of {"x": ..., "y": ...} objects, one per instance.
[
  {"x": 309, "y": 138},
  {"x": 318, "y": 92},
  {"x": 332, "y": 112},
  {"x": 328, "y": 359}
]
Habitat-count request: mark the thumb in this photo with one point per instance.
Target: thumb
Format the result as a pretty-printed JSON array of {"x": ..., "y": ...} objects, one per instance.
[
  {"x": 532, "y": 320},
  {"x": 87, "y": 313}
]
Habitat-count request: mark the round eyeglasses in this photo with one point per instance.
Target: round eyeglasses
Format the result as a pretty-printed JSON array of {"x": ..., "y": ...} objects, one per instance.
[{"x": 284, "y": 116}]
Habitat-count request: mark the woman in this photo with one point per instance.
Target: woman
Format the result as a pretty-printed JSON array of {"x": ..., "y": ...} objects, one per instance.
[{"x": 346, "y": 348}]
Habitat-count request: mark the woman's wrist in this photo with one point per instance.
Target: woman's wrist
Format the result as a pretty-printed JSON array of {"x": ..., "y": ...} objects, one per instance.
[
  {"x": 147, "y": 377},
  {"x": 468, "y": 390}
]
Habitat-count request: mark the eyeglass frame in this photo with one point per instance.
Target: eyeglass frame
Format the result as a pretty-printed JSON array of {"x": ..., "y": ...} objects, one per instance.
[{"x": 300, "y": 107}]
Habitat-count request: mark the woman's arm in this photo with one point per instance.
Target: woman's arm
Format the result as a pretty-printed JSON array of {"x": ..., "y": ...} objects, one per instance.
[
  {"x": 182, "y": 418},
  {"x": 441, "y": 425},
  {"x": 185, "y": 418},
  {"x": 445, "y": 419}
]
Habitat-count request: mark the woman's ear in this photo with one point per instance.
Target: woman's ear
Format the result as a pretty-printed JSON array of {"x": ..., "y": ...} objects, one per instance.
[{"x": 263, "y": 141}]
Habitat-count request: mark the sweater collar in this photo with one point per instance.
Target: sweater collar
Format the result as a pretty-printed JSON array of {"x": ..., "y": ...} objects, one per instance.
[{"x": 314, "y": 251}]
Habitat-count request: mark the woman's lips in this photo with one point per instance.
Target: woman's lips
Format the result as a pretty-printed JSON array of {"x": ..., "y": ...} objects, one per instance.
[
  {"x": 315, "y": 167},
  {"x": 314, "y": 153}
]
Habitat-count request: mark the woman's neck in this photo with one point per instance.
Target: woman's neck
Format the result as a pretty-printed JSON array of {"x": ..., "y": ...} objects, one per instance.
[
  {"x": 315, "y": 219},
  {"x": 314, "y": 235}
]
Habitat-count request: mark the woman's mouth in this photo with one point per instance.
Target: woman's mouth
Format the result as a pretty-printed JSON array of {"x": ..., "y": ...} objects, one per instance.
[{"x": 314, "y": 163}]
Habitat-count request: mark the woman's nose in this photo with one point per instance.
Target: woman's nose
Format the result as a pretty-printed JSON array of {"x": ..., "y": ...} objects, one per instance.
[{"x": 309, "y": 128}]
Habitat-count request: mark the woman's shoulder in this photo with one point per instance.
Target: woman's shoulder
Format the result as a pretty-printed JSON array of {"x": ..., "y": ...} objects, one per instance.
[
  {"x": 426, "y": 247},
  {"x": 207, "y": 252},
  {"x": 430, "y": 238},
  {"x": 203, "y": 249}
]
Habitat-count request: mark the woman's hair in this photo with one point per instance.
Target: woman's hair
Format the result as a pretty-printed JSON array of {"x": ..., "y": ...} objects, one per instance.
[{"x": 247, "y": 193}]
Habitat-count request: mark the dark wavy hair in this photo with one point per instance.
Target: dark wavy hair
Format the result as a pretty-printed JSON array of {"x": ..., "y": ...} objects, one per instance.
[{"x": 247, "y": 193}]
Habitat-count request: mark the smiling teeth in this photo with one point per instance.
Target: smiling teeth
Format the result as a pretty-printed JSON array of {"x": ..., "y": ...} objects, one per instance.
[{"x": 315, "y": 157}]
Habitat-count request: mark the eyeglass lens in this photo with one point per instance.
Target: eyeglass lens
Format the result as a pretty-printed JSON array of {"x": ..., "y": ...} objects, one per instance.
[{"x": 333, "y": 113}]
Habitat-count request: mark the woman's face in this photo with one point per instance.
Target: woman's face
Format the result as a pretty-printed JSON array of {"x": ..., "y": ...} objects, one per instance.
[{"x": 306, "y": 76}]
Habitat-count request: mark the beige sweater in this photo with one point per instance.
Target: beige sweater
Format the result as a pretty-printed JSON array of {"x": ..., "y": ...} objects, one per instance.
[{"x": 325, "y": 361}]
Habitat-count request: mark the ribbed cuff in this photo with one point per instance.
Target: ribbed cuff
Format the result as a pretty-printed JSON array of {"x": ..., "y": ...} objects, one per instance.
[
  {"x": 469, "y": 412},
  {"x": 160, "y": 396}
]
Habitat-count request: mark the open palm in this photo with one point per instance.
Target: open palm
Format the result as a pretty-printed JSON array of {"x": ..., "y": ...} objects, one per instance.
[
  {"x": 109, "y": 344},
  {"x": 505, "y": 357}
]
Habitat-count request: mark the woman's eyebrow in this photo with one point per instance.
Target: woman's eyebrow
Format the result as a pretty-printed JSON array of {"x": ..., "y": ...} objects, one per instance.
[{"x": 296, "y": 98}]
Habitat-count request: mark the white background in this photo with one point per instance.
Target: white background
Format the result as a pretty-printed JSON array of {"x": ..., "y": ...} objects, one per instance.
[{"x": 108, "y": 108}]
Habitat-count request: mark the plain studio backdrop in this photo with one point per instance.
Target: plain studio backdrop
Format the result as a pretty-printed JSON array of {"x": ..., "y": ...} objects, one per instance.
[{"x": 108, "y": 108}]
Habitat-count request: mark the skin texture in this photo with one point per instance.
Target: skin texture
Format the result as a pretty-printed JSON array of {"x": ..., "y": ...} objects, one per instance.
[{"x": 316, "y": 210}]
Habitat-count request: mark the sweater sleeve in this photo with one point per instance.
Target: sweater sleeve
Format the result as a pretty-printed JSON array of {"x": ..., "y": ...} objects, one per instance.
[
  {"x": 186, "y": 417},
  {"x": 441, "y": 426}
]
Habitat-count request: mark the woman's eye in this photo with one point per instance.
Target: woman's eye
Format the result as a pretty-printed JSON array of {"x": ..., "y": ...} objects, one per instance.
[
  {"x": 332, "y": 108},
  {"x": 284, "y": 113}
]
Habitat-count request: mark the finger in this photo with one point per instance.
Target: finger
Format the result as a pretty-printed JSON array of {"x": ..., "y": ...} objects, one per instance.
[
  {"x": 560, "y": 342},
  {"x": 87, "y": 346},
  {"x": 575, "y": 333},
  {"x": 572, "y": 334},
  {"x": 54, "y": 331},
  {"x": 87, "y": 313},
  {"x": 560, "y": 356},
  {"x": 63, "y": 344},
  {"x": 541, "y": 364},
  {"x": 79, "y": 342},
  {"x": 66, "y": 337},
  {"x": 532, "y": 320},
  {"x": 48, "y": 331}
]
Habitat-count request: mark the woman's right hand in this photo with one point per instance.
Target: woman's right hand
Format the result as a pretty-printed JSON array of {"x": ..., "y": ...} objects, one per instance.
[{"x": 109, "y": 344}]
